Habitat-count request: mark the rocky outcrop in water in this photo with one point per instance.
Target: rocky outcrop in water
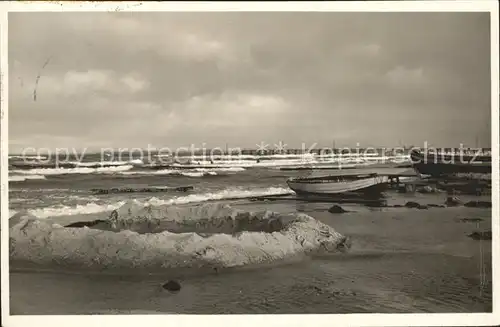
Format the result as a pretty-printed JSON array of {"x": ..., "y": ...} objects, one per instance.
[
  {"x": 485, "y": 235},
  {"x": 415, "y": 205},
  {"x": 433, "y": 205},
  {"x": 142, "y": 190},
  {"x": 411, "y": 204},
  {"x": 478, "y": 204}
]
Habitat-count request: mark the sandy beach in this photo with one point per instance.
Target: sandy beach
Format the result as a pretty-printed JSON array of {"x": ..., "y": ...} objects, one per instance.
[{"x": 400, "y": 260}]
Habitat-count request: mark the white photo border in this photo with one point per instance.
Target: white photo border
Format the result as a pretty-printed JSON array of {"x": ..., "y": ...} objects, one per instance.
[{"x": 454, "y": 319}]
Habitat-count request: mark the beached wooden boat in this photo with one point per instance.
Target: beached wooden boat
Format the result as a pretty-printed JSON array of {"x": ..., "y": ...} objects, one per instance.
[
  {"x": 449, "y": 164},
  {"x": 339, "y": 185}
]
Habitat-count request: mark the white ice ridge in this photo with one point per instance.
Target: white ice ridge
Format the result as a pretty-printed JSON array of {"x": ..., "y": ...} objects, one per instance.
[{"x": 235, "y": 238}]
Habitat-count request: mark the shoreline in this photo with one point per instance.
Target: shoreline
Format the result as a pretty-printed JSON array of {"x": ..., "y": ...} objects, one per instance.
[{"x": 384, "y": 243}]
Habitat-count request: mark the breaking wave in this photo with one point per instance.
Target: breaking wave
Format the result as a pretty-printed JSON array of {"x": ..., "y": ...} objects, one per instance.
[
  {"x": 221, "y": 169},
  {"x": 242, "y": 163},
  {"x": 18, "y": 178},
  {"x": 28, "y": 157},
  {"x": 92, "y": 208},
  {"x": 79, "y": 209},
  {"x": 229, "y": 194},
  {"x": 66, "y": 171},
  {"x": 194, "y": 172},
  {"x": 97, "y": 164},
  {"x": 198, "y": 173},
  {"x": 283, "y": 160},
  {"x": 169, "y": 172},
  {"x": 210, "y": 235}
]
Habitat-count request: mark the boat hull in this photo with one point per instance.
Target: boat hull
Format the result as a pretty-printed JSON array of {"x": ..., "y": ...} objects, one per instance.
[
  {"x": 366, "y": 187},
  {"x": 449, "y": 165}
]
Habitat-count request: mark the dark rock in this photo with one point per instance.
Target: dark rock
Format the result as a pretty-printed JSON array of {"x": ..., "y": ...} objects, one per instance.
[
  {"x": 415, "y": 205},
  {"x": 337, "y": 209},
  {"x": 143, "y": 190},
  {"x": 478, "y": 204},
  {"x": 432, "y": 205},
  {"x": 411, "y": 204},
  {"x": 172, "y": 286},
  {"x": 185, "y": 188},
  {"x": 453, "y": 201},
  {"x": 486, "y": 235}
]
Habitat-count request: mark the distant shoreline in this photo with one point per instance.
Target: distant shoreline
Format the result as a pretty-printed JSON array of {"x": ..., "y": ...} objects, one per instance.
[{"x": 345, "y": 150}]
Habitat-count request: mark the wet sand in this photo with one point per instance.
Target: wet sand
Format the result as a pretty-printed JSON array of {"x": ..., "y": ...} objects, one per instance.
[{"x": 401, "y": 260}]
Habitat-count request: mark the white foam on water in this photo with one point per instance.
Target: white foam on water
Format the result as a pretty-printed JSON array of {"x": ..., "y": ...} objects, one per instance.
[
  {"x": 152, "y": 172},
  {"x": 229, "y": 158},
  {"x": 29, "y": 157},
  {"x": 92, "y": 207},
  {"x": 289, "y": 160},
  {"x": 18, "y": 178},
  {"x": 229, "y": 194},
  {"x": 193, "y": 172},
  {"x": 221, "y": 169},
  {"x": 198, "y": 173},
  {"x": 242, "y": 164},
  {"x": 67, "y": 171},
  {"x": 72, "y": 197},
  {"x": 108, "y": 163},
  {"x": 80, "y": 209},
  {"x": 175, "y": 172}
]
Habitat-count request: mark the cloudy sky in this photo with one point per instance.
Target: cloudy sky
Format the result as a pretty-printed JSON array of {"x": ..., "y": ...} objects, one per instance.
[{"x": 176, "y": 79}]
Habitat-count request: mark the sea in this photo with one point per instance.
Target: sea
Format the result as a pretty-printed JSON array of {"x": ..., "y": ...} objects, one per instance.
[{"x": 398, "y": 259}]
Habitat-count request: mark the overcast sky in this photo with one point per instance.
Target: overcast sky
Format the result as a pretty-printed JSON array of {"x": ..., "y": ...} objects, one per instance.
[{"x": 174, "y": 79}]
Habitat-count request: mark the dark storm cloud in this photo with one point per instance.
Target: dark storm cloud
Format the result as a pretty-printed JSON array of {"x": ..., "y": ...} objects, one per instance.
[{"x": 170, "y": 79}]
